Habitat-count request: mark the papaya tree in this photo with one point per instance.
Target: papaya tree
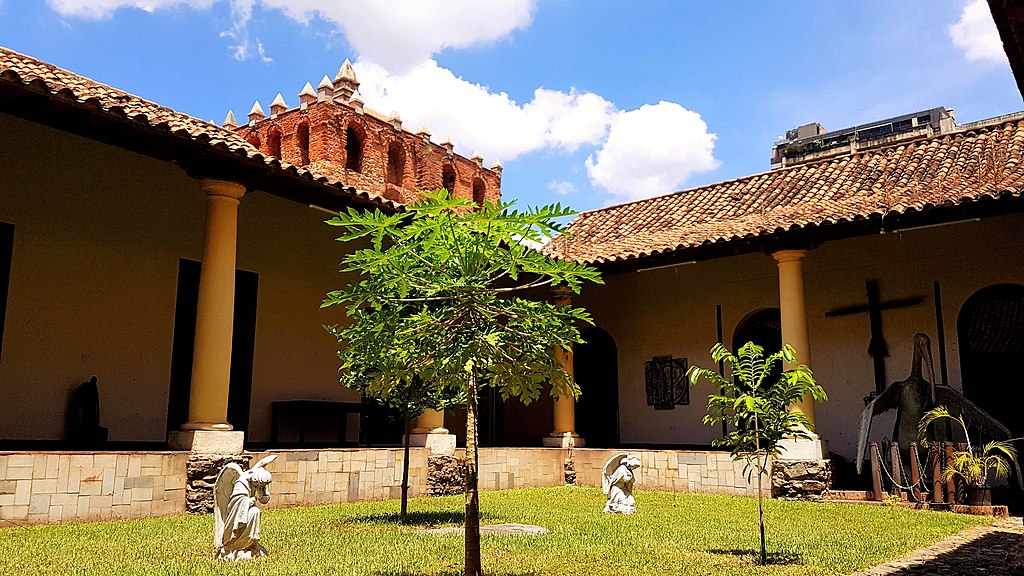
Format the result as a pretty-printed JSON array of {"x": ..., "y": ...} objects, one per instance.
[
  {"x": 441, "y": 301},
  {"x": 757, "y": 407}
]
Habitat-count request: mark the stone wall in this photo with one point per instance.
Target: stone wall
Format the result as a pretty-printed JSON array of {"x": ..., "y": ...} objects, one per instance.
[
  {"x": 675, "y": 470},
  {"x": 306, "y": 477},
  {"x": 57, "y": 486}
]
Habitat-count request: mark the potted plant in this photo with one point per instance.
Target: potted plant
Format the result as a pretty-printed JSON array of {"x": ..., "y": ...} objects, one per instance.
[{"x": 976, "y": 463}]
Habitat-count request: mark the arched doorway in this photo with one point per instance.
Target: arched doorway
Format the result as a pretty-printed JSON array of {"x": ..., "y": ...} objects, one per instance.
[
  {"x": 990, "y": 331},
  {"x": 762, "y": 327},
  {"x": 596, "y": 368}
]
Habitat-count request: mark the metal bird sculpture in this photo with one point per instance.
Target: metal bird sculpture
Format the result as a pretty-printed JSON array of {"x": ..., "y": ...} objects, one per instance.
[{"x": 914, "y": 396}]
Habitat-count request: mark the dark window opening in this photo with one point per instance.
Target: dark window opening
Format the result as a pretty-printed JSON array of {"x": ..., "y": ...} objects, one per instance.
[
  {"x": 479, "y": 191},
  {"x": 396, "y": 163},
  {"x": 448, "y": 178},
  {"x": 303, "y": 136},
  {"x": 274, "y": 144},
  {"x": 353, "y": 150}
]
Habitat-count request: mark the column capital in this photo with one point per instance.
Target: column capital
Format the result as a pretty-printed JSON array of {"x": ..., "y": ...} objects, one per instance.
[
  {"x": 561, "y": 296},
  {"x": 784, "y": 256},
  {"x": 214, "y": 187}
]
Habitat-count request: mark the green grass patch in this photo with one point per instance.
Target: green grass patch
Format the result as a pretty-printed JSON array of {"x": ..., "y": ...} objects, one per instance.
[{"x": 669, "y": 534}]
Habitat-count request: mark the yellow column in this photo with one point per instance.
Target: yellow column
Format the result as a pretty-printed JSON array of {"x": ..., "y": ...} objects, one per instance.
[
  {"x": 793, "y": 311},
  {"x": 211, "y": 365},
  {"x": 430, "y": 422},
  {"x": 564, "y": 408}
]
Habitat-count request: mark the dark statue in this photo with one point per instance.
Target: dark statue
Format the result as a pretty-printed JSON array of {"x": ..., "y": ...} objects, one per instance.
[
  {"x": 83, "y": 416},
  {"x": 912, "y": 397}
]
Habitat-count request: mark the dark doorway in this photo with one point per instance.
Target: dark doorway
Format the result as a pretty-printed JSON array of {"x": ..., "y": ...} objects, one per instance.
[
  {"x": 596, "y": 368},
  {"x": 764, "y": 328},
  {"x": 6, "y": 252},
  {"x": 990, "y": 329},
  {"x": 243, "y": 346},
  {"x": 491, "y": 409}
]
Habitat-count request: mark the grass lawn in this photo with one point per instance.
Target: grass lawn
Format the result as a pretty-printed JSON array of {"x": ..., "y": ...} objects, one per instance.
[{"x": 681, "y": 534}]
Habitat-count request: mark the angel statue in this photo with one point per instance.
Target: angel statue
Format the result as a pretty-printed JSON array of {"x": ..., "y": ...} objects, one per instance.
[
  {"x": 617, "y": 483},
  {"x": 236, "y": 524}
]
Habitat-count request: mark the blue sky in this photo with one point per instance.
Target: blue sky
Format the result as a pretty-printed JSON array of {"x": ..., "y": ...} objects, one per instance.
[{"x": 585, "y": 102}]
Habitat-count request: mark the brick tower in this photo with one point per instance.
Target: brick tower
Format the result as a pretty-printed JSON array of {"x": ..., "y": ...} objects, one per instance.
[{"x": 333, "y": 134}]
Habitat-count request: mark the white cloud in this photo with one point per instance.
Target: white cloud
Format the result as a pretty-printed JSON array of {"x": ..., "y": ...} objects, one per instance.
[
  {"x": 642, "y": 152},
  {"x": 652, "y": 150},
  {"x": 477, "y": 119},
  {"x": 100, "y": 9},
  {"x": 976, "y": 34},
  {"x": 395, "y": 33},
  {"x": 561, "y": 188},
  {"x": 402, "y": 33}
]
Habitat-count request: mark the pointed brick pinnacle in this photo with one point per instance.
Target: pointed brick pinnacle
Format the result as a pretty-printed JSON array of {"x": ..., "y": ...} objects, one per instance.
[
  {"x": 278, "y": 106},
  {"x": 346, "y": 72},
  {"x": 229, "y": 120},
  {"x": 325, "y": 83},
  {"x": 496, "y": 165},
  {"x": 257, "y": 111},
  {"x": 307, "y": 90}
]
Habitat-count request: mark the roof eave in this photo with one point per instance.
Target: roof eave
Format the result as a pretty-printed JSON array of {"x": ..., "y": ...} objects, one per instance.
[{"x": 33, "y": 101}]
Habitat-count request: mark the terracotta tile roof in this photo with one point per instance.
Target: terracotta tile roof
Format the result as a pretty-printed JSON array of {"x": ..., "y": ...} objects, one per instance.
[
  {"x": 19, "y": 69},
  {"x": 945, "y": 170}
]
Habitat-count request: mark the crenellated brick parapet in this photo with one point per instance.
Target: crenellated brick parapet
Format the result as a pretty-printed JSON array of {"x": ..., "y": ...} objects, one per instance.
[{"x": 333, "y": 134}]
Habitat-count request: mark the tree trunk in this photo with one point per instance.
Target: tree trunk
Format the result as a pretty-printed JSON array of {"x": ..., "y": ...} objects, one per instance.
[
  {"x": 760, "y": 495},
  {"x": 403, "y": 515},
  {"x": 472, "y": 494}
]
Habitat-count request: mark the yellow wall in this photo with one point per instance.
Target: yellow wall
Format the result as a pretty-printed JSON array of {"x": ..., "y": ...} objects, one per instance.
[
  {"x": 98, "y": 236},
  {"x": 297, "y": 259},
  {"x": 672, "y": 312}
]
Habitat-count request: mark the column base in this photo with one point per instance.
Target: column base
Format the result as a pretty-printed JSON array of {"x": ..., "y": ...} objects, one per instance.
[
  {"x": 442, "y": 444},
  {"x": 207, "y": 441},
  {"x": 803, "y": 449},
  {"x": 567, "y": 440}
]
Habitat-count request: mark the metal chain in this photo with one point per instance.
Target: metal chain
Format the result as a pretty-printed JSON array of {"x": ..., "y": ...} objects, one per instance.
[{"x": 896, "y": 485}]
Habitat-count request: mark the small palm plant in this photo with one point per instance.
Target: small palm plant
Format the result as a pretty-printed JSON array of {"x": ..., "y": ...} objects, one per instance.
[
  {"x": 976, "y": 463},
  {"x": 757, "y": 405}
]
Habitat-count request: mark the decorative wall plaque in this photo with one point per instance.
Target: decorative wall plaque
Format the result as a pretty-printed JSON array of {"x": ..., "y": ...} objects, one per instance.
[{"x": 666, "y": 382}]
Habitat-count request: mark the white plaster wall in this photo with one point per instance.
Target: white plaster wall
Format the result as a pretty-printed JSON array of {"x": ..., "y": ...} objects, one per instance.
[{"x": 672, "y": 311}]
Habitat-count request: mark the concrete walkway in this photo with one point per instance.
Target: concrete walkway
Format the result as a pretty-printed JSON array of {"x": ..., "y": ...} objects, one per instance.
[{"x": 977, "y": 550}]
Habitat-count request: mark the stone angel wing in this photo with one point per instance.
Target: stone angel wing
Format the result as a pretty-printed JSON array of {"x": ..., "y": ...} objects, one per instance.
[
  {"x": 608, "y": 472},
  {"x": 222, "y": 489},
  {"x": 265, "y": 461}
]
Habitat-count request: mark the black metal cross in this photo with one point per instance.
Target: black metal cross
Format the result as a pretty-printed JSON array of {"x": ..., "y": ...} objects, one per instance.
[{"x": 877, "y": 348}]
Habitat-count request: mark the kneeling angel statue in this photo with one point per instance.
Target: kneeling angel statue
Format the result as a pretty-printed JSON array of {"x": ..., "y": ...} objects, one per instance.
[
  {"x": 617, "y": 483},
  {"x": 236, "y": 531}
]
